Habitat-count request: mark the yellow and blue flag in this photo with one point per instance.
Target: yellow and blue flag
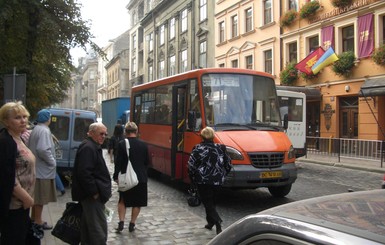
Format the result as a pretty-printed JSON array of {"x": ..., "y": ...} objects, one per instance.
[{"x": 326, "y": 59}]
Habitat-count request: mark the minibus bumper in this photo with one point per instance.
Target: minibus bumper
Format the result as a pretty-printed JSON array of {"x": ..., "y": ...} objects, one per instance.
[{"x": 247, "y": 176}]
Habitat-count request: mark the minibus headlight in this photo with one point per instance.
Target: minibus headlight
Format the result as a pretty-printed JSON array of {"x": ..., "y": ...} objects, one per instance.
[
  {"x": 234, "y": 153},
  {"x": 291, "y": 152}
]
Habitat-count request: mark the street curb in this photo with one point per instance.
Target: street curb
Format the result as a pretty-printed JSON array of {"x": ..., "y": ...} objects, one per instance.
[{"x": 343, "y": 165}]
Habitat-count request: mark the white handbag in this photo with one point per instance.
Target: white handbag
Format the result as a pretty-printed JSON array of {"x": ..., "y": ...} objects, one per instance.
[{"x": 129, "y": 179}]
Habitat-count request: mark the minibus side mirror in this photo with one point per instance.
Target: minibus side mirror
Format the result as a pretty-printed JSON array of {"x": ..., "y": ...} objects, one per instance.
[
  {"x": 285, "y": 121},
  {"x": 191, "y": 120}
]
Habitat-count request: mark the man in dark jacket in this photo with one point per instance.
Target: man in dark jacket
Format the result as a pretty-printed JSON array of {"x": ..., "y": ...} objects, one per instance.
[{"x": 91, "y": 185}]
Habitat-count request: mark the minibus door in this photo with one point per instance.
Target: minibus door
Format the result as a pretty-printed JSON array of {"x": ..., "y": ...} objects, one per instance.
[
  {"x": 178, "y": 128},
  {"x": 81, "y": 122},
  {"x": 61, "y": 124}
]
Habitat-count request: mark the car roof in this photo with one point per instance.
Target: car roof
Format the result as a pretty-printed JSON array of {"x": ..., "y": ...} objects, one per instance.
[
  {"x": 355, "y": 218},
  {"x": 362, "y": 210}
]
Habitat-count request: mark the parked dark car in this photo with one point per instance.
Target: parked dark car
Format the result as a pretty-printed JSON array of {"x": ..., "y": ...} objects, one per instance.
[{"x": 348, "y": 218}]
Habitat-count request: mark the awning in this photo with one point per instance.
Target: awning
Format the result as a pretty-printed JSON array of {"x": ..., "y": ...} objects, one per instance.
[
  {"x": 373, "y": 87},
  {"x": 312, "y": 94}
]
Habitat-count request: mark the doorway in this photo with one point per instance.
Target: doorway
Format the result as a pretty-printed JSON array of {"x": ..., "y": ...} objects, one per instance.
[{"x": 349, "y": 117}]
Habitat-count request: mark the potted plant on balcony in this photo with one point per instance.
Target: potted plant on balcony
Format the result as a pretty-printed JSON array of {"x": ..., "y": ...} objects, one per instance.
[
  {"x": 378, "y": 55},
  {"x": 307, "y": 77},
  {"x": 345, "y": 64},
  {"x": 341, "y": 3},
  {"x": 289, "y": 75},
  {"x": 288, "y": 18},
  {"x": 309, "y": 9}
]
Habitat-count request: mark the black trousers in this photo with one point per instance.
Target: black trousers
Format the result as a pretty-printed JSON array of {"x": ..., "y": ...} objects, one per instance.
[
  {"x": 93, "y": 228},
  {"x": 15, "y": 228},
  {"x": 207, "y": 194}
]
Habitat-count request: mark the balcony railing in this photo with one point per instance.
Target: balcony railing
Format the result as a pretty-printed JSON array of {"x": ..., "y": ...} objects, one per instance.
[{"x": 347, "y": 149}]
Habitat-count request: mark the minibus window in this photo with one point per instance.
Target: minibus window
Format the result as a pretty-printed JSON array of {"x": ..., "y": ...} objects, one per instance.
[
  {"x": 81, "y": 128},
  {"x": 239, "y": 99},
  {"x": 59, "y": 127}
]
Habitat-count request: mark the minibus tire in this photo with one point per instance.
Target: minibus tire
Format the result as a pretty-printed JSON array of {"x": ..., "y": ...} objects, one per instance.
[{"x": 279, "y": 191}]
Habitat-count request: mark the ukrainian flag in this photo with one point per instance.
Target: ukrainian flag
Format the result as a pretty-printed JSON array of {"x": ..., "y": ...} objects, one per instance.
[{"x": 326, "y": 59}]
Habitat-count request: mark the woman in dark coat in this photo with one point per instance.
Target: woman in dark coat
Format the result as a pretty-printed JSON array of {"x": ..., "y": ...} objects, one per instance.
[
  {"x": 137, "y": 196},
  {"x": 207, "y": 167}
]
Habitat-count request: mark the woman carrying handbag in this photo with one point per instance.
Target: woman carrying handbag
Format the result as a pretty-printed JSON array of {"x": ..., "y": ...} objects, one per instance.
[{"x": 137, "y": 196}]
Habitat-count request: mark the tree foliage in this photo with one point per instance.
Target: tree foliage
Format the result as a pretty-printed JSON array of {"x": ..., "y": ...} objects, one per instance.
[{"x": 36, "y": 37}]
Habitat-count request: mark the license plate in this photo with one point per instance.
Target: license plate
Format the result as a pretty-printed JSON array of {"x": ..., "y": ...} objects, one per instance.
[
  {"x": 267, "y": 175},
  {"x": 59, "y": 154}
]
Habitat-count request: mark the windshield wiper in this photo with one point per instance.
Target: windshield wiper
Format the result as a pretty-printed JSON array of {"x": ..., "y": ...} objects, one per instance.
[
  {"x": 268, "y": 125},
  {"x": 236, "y": 124}
]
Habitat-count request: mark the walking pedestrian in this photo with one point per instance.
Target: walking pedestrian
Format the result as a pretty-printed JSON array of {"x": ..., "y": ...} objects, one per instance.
[
  {"x": 17, "y": 175},
  {"x": 113, "y": 143},
  {"x": 207, "y": 167},
  {"x": 137, "y": 196},
  {"x": 42, "y": 145},
  {"x": 91, "y": 185}
]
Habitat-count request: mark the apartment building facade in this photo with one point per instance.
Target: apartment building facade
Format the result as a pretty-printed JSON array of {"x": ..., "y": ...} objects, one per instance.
[
  {"x": 357, "y": 27},
  {"x": 89, "y": 83},
  {"x": 117, "y": 68},
  {"x": 172, "y": 37},
  {"x": 247, "y": 35}
]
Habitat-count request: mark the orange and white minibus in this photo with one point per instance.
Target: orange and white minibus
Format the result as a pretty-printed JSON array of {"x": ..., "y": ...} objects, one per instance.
[{"x": 242, "y": 107}]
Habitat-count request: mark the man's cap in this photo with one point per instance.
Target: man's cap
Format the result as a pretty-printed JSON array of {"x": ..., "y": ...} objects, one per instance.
[{"x": 43, "y": 116}]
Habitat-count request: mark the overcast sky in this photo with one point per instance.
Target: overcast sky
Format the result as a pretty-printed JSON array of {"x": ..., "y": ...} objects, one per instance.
[{"x": 109, "y": 19}]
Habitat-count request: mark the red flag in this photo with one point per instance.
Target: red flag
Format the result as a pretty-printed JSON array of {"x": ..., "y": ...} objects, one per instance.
[{"x": 306, "y": 64}]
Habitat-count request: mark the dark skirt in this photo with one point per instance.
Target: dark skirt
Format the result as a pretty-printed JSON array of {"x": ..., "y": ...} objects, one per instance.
[{"x": 135, "y": 197}]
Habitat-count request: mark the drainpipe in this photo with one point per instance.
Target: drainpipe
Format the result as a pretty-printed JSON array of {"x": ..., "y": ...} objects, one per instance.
[{"x": 193, "y": 43}]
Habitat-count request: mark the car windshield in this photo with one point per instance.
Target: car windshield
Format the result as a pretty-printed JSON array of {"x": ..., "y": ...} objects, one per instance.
[{"x": 240, "y": 100}]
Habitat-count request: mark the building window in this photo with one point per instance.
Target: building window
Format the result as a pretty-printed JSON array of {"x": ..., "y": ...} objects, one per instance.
[
  {"x": 267, "y": 12},
  {"x": 293, "y": 4},
  {"x": 203, "y": 10},
  {"x": 184, "y": 20},
  {"x": 268, "y": 57},
  {"x": 221, "y": 31},
  {"x": 150, "y": 73},
  {"x": 183, "y": 61},
  {"x": 293, "y": 52},
  {"x": 161, "y": 35},
  {"x": 151, "y": 42},
  {"x": 249, "y": 62},
  {"x": 133, "y": 67},
  {"x": 313, "y": 43},
  {"x": 383, "y": 30},
  {"x": 133, "y": 43},
  {"x": 222, "y": 65},
  {"x": 234, "y": 63},
  {"x": 92, "y": 74},
  {"x": 172, "y": 65},
  {"x": 172, "y": 28},
  {"x": 249, "y": 20},
  {"x": 203, "y": 54},
  {"x": 161, "y": 69},
  {"x": 348, "y": 38},
  {"x": 234, "y": 26}
]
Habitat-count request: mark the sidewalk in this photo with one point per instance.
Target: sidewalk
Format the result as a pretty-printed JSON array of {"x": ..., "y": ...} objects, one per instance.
[
  {"x": 163, "y": 221},
  {"x": 169, "y": 221},
  {"x": 359, "y": 164}
]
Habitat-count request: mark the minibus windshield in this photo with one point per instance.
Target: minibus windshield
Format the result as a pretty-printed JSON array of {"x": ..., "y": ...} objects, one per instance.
[{"x": 240, "y": 100}]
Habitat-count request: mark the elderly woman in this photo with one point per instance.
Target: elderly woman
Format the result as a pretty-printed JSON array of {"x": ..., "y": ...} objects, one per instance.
[
  {"x": 17, "y": 175},
  {"x": 137, "y": 196},
  {"x": 207, "y": 167}
]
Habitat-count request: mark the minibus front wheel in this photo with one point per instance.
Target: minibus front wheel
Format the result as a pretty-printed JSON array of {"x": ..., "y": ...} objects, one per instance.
[{"x": 279, "y": 191}]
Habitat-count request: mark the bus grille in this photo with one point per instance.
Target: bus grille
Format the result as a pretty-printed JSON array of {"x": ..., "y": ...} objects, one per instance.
[{"x": 266, "y": 160}]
